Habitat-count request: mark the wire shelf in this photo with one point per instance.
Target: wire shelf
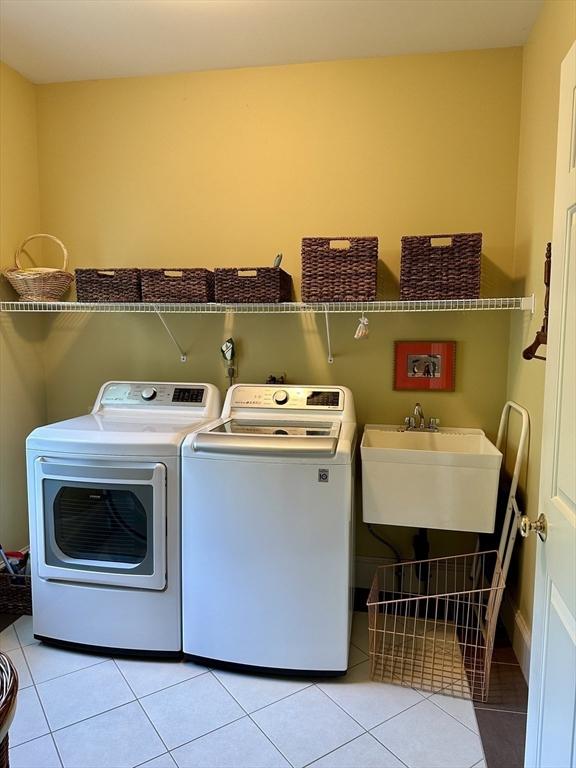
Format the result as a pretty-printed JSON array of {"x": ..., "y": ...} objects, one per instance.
[{"x": 429, "y": 305}]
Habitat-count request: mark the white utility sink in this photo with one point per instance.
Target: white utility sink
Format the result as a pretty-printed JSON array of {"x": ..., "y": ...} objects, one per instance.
[{"x": 446, "y": 479}]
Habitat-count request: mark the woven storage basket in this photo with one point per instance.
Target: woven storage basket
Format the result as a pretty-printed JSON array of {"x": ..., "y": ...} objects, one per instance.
[
  {"x": 339, "y": 268},
  {"x": 39, "y": 283},
  {"x": 449, "y": 270},
  {"x": 115, "y": 285},
  {"x": 181, "y": 286},
  {"x": 252, "y": 285},
  {"x": 16, "y": 594},
  {"x": 8, "y": 694}
]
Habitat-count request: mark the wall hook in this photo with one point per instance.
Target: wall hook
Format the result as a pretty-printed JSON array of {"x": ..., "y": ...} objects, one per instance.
[
  {"x": 183, "y": 355},
  {"x": 542, "y": 335}
]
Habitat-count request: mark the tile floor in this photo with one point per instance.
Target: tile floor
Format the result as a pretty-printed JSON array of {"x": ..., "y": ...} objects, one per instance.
[{"x": 84, "y": 711}]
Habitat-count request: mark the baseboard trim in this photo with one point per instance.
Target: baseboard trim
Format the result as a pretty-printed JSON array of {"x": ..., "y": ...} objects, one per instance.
[{"x": 519, "y": 634}]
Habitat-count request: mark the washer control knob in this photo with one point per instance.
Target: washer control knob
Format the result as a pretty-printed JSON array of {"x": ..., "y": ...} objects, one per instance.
[
  {"x": 281, "y": 397},
  {"x": 149, "y": 393}
]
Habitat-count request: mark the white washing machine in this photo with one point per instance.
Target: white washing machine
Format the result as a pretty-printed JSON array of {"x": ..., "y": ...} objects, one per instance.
[
  {"x": 267, "y": 531},
  {"x": 104, "y": 508}
]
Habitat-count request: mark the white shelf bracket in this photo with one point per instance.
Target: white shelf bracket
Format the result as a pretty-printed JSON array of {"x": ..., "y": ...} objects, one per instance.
[
  {"x": 328, "y": 341},
  {"x": 183, "y": 355},
  {"x": 529, "y": 302}
]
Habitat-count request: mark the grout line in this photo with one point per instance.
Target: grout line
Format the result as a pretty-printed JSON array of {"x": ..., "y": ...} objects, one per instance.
[
  {"x": 58, "y": 755},
  {"x": 331, "y": 752},
  {"x": 351, "y": 741},
  {"x": 389, "y": 750},
  {"x": 251, "y": 719},
  {"x": 259, "y": 709},
  {"x": 373, "y": 728},
  {"x": 142, "y": 708},
  {"x": 91, "y": 717},
  {"x": 37, "y": 738},
  {"x": 65, "y": 674},
  {"x": 342, "y": 708},
  {"x": 155, "y": 758},
  {"x": 166, "y": 687},
  {"x": 34, "y": 641},
  {"x": 457, "y": 719},
  {"x": 507, "y": 711},
  {"x": 196, "y": 738}
]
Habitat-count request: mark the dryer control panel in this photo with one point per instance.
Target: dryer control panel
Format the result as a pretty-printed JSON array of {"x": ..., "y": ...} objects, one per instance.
[
  {"x": 126, "y": 393},
  {"x": 282, "y": 398}
]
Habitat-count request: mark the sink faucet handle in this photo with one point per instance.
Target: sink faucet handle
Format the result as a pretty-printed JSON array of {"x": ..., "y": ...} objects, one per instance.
[
  {"x": 409, "y": 422},
  {"x": 434, "y": 424}
]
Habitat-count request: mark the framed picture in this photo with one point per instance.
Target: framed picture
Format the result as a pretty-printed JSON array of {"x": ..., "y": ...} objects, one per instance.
[{"x": 424, "y": 365}]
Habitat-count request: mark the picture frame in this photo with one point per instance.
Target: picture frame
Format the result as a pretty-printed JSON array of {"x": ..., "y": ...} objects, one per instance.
[{"x": 425, "y": 365}]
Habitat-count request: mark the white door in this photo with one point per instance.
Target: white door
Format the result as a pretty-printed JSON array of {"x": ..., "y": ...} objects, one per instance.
[{"x": 551, "y": 737}]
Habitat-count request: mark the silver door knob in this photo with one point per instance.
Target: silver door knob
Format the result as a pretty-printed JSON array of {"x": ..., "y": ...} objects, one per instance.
[{"x": 539, "y": 526}]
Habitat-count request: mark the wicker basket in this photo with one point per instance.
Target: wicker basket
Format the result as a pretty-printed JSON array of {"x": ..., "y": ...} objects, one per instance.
[
  {"x": 252, "y": 285},
  {"x": 447, "y": 270},
  {"x": 181, "y": 286},
  {"x": 16, "y": 594},
  {"x": 339, "y": 269},
  {"x": 39, "y": 283},
  {"x": 115, "y": 285},
  {"x": 8, "y": 694}
]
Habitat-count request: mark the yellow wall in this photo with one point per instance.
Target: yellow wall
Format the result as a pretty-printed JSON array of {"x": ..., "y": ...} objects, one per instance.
[
  {"x": 230, "y": 167},
  {"x": 22, "y": 404},
  {"x": 549, "y": 42}
]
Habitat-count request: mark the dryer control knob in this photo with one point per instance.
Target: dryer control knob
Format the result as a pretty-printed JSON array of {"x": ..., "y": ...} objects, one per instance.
[
  {"x": 281, "y": 397},
  {"x": 149, "y": 393}
]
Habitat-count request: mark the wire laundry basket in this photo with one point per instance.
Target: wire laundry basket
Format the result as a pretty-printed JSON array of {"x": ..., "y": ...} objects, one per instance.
[{"x": 431, "y": 623}]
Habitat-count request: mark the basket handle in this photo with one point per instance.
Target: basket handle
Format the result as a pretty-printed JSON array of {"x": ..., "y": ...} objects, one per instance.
[
  {"x": 247, "y": 273},
  {"x": 22, "y": 249},
  {"x": 173, "y": 273},
  {"x": 441, "y": 237},
  {"x": 339, "y": 244}
]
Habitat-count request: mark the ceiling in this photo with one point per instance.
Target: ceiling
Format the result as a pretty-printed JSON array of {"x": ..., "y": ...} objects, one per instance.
[{"x": 63, "y": 40}]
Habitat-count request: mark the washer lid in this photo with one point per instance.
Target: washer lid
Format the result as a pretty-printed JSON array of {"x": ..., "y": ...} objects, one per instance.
[
  {"x": 116, "y": 434},
  {"x": 257, "y": 437}
]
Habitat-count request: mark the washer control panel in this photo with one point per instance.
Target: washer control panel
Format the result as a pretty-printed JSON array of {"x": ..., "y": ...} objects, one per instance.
[
  {"x": 282, "y": 398},
  {"x": 145, "y": 394}
]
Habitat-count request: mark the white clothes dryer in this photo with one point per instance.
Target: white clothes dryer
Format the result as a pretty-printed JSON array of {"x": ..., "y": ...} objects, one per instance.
[
  {"x": 104, "y": 510},
  {"x": 267, "y": 536}
]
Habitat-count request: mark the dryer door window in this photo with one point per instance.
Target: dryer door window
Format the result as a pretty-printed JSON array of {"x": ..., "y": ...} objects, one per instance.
[{"x": 102, "y": 524}]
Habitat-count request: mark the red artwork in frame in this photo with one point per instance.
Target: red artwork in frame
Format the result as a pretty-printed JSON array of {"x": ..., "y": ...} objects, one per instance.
[{"x": 425, "y": 365}]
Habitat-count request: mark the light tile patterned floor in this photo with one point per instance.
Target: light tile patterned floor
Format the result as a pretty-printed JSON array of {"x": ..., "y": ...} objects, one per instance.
[{"x": 84, "y": 711}]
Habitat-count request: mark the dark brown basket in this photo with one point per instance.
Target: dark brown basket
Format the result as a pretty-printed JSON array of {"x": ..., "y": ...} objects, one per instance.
[
  {"x": 180, "y": 286},
  {"x": 8, "y": 695},
  {"x": 118, "y": 285},
  {"x": 339, "y": 273},
  {"x": 441, "y": 270},
  {"x": 16, "y": 594},
  {"x": 252, "y": 285}
]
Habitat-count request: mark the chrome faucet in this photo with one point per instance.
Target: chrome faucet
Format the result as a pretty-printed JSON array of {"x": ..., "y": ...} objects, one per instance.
[{"x": 419, "y": 421}]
